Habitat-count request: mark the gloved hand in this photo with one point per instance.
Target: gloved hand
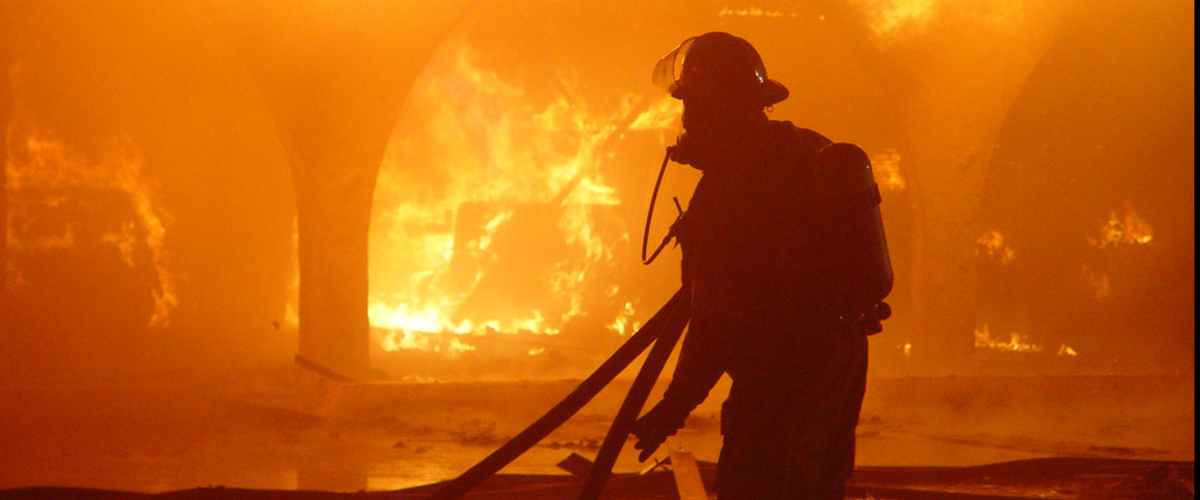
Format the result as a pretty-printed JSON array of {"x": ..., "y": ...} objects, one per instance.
[{"x": 665, "y": 419}]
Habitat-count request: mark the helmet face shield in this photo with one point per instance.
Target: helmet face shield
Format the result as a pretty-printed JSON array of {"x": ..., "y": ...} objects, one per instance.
[
  {"x": 669, "y": 69},
  {"x": 718, "y": 65}
]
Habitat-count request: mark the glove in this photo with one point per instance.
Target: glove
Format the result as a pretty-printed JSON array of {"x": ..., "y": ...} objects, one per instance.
[{"x": 665, "y": 419}]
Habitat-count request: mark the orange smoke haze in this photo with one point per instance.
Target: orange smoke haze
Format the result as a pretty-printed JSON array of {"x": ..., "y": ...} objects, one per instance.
[
  {"x": 1037, "y": 176},
  {"x": 197, "y": 191}
]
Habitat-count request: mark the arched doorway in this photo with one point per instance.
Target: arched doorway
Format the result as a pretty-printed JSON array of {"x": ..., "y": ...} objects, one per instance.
[
  {"x": 511, "y": 196},
  {"x": 1092, "y": 187}
]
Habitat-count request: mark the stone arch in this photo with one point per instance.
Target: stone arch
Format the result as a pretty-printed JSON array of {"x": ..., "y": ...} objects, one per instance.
[
  {"x": 839, "y": 89},
  {"x": 1099, "y": 130}
]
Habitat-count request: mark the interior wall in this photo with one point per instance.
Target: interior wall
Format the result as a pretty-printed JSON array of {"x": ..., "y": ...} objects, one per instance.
[
  {"x": 160, "y": 75},
  {"x": 964, "y": 93},
  {"x": 1101, "y": 134}
]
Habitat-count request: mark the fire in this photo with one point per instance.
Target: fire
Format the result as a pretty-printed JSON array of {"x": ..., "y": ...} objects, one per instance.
[
  {"x": 1066, "y": 350},
  {"x": 993, "y": 245},
  {"x": 1125, "y": 227},
  {"x": 663, "y": 114},
  {"x": 492, "y": 211},
  {"x": 1016, "y": 342},
  {"x": 624, "y": 323},
  {"x": 886, "y": 166},
  {"x": 890, "y": 19},
  {"x": 751, "y": 12},
  {"x": 41, "y": 164}
]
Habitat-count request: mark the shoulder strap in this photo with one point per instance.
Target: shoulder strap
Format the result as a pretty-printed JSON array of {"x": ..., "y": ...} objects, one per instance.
[{"x": 807, "y": 143}]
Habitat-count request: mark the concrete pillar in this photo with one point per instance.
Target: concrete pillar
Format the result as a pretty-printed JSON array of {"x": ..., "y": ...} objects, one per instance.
[
  {"x": 7, "y": 108},
  {"x": 966, "y": 75},
  {"x": 334, "y": 75}
]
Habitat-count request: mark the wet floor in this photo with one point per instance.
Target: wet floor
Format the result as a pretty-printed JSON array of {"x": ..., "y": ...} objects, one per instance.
[{"x": 285, "y": 431}]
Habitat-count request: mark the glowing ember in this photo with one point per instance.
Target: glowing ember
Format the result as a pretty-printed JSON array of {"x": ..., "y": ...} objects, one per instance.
[
  {"x": 1015, "y": 343},
  {"x": 894, "y": 21},
  {"x": 992, "y": 244},
  {"x": 624, "y": 323},
  {"x": 1125, "y": 227},
  {"x": 42, "y": 163},
  {"x": 886, "y": 166},
  {"x": 663, "y": 114},
  {"x": 890, "y": 19},
  {"x": 750, "y": 12}
]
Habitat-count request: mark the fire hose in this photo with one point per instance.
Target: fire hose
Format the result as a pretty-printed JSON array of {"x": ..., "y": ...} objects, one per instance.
[{"x": 663, "y": 330}]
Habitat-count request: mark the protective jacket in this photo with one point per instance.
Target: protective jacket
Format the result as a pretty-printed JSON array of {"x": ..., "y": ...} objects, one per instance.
[
  {"x": 745, "y": 220},
  {"x": 797, "y": 380}
]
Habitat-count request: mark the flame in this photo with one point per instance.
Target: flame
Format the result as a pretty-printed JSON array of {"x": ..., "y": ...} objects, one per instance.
[
  {"x": 1016, "y": 342},
  {"x": 624, "y": 324},
  {"x": 483, "y": 142},
  {"x": 894, "y": 21},
  {"x": 1125, "y": 227},
  {"x": 891, "y": 19},
  {"x": 40, "y": 160},
  {"x": 750, "y": 12},
  {"x": 992, "y": 243},
  {"x": 886, "y": 166},
  {"x": 291, "y": 313},
  {"x": 1066, "y": 350},
  {"x": 663, "y": 114}
]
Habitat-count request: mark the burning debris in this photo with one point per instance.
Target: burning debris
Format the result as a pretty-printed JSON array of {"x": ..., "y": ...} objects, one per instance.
[
  {"x": 1015, "y": 343},
  {"x": 751, "y": 12},
  {"x": 906, "y": 348},
  {"x": 1123, "y": 227},
  {"x": 886, "y": 166},
  {"x": 1120, "y": 239},
  {"x": 892, "y": 21},
  {"x": 992, "y": 245},
  {"x": 494, "y": 216},
  {"x": 1066, "y": 350},
  {"x": 69, "y": 217}
]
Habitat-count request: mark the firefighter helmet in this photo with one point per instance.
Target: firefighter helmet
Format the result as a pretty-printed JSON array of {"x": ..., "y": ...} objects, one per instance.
[{"x": 717, "y": 64}]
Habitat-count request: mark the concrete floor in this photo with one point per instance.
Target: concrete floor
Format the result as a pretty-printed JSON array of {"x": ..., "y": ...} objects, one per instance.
[{"x": 284, "y": 429}]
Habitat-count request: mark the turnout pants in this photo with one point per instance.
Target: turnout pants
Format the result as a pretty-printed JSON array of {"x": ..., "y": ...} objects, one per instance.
[{"x": 789, "y": 422}]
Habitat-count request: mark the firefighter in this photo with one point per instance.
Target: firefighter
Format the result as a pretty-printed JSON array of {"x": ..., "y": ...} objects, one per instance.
[{"x": 753, "y": 259}]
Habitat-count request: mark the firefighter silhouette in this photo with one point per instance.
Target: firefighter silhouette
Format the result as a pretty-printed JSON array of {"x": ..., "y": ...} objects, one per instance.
[{"x": 784, "y": 254}]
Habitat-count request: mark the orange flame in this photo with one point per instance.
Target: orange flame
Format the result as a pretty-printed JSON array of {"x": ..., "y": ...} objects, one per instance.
[
  {"x": 1015, "y": 343},
  {"x": 890, "y": 20},
  {"x": 1126, "y": 227},
  {"x": 40, "y": 160},
  {"x": 886, "y": 166},
  {"x": 896, "y": 21},
  {"x": 487, "y": 144},
  {"x": 993, "y": 245}
]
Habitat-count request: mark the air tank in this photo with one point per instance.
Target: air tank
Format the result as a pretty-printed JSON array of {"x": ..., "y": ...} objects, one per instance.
[{"x": 854, "y": 261}]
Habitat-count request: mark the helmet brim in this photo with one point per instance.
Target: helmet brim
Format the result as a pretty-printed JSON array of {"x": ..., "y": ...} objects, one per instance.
[
  {"x": 667, "y": 75},
  {"x": 767, "y": 93}
]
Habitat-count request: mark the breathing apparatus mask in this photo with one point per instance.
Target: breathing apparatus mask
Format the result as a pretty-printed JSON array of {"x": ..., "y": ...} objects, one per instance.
[{"x": 714, "y": 69}]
